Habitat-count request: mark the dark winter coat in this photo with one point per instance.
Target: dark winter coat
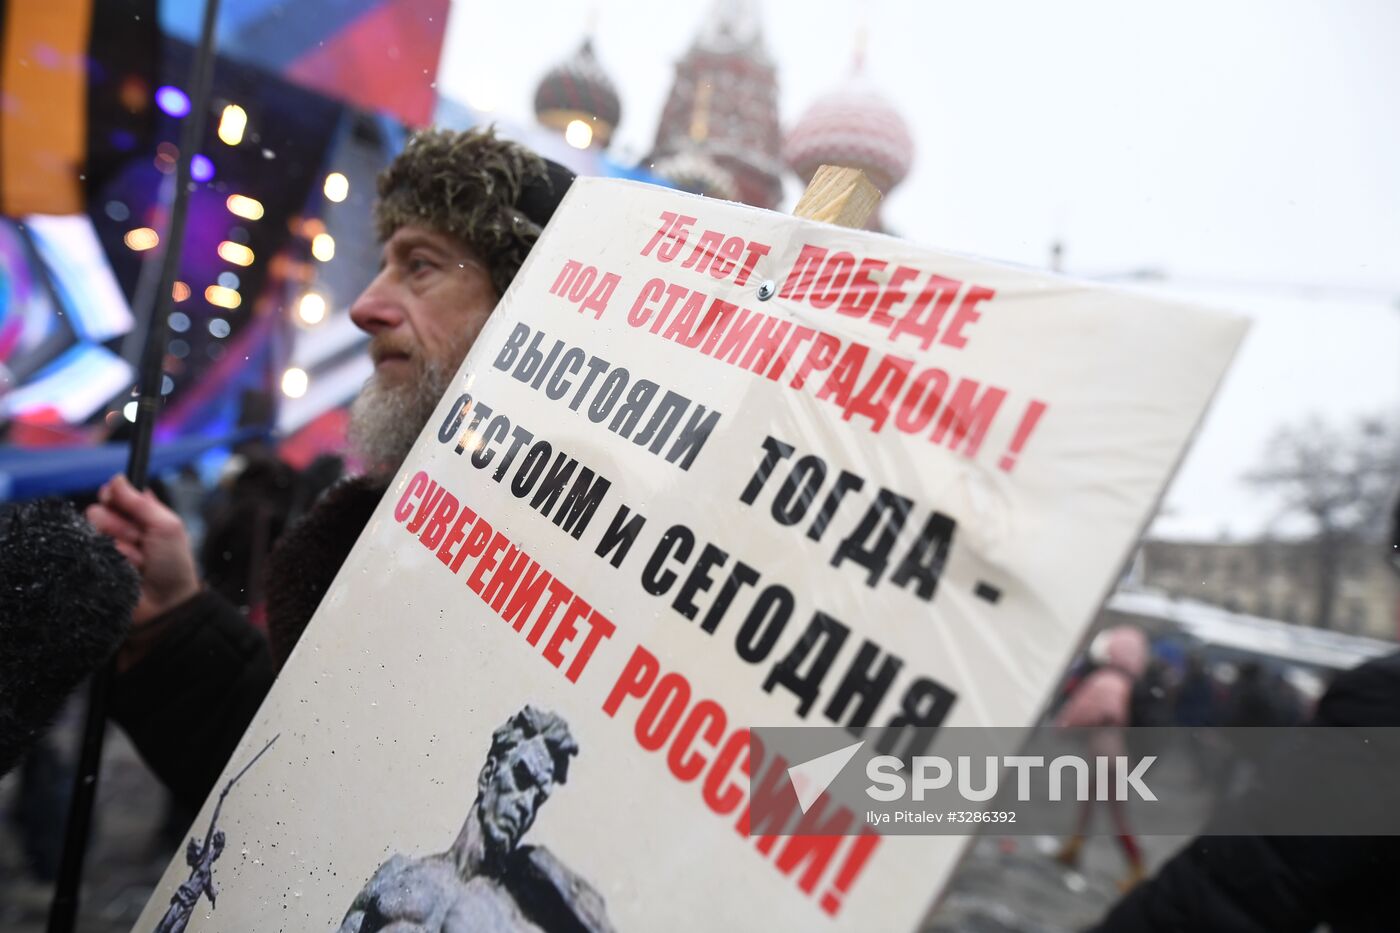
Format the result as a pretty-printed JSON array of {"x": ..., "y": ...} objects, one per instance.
[
  {"x": 191, "y": 680},
  {"x": 1195, "y": 700},
  {"x": 1283, "y": 884}
]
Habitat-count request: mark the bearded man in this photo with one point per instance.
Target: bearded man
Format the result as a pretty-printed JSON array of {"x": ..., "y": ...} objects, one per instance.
[{"x": 457, "y": 214}]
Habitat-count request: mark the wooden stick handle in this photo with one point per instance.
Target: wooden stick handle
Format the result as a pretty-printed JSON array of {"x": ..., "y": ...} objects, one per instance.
[{"x": 840, "y": 196}]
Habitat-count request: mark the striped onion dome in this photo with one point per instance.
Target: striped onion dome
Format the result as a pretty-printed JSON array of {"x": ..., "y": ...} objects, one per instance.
[
  {"x": 694, "y": 171},
  {"x": 856, "y": 127},
  {"x": 579, "y": 89}
]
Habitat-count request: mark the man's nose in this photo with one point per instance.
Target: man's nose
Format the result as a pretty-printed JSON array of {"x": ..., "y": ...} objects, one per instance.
[{"x": 377, "y": 308}]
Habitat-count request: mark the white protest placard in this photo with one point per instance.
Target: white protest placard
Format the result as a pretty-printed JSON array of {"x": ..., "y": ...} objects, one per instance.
[{"x": 706, "y": 468}]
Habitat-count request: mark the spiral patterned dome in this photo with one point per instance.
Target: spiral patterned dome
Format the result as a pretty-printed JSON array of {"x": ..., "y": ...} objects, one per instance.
[
  {"x": 579, "y": 89},
  {"x": 697, "y": 173},
  {"x": 854, "y": 127}
]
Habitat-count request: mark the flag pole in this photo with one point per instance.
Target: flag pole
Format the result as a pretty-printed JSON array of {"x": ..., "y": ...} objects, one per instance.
[{"x": 64, "y": 910}]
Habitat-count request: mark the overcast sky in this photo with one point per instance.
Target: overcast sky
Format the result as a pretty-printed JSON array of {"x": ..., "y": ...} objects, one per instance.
[{"x": 1250, "y": 150}]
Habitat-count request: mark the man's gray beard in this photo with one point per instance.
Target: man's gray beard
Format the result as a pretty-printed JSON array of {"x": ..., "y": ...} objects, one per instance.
[{"x": 385, "y": 420}]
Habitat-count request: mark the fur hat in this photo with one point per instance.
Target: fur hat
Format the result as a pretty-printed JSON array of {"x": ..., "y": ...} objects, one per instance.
[{"x": 492, "y": 194}]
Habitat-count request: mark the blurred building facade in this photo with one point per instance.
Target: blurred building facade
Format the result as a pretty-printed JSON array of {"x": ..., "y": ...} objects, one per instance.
[{"x": 1279, "y": 579}]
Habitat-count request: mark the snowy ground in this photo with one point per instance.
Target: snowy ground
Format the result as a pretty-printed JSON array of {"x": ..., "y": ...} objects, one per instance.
[{"x": 1014, "y": 885}]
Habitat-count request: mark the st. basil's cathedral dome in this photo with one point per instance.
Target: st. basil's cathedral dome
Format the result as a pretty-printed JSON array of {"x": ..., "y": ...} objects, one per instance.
[
  {"x": 854, "y": 126},
  {"x": 579, "y": 90}
]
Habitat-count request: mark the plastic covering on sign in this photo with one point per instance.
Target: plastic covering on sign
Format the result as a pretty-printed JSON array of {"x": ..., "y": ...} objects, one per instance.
[{"x": 655, "y": 510}]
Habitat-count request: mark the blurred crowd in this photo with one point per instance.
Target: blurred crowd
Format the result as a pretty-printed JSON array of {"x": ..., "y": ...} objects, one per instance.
[
  {"x": 1191, "y": 689},
  {"x": 233, "y": 518}
]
